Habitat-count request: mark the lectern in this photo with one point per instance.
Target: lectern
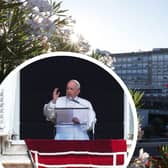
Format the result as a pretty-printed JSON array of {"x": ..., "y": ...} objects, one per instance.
[{"x": 68, "y": 130}]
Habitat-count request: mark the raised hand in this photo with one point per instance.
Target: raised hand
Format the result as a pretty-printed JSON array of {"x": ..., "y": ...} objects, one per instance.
[
  {"x": 55, "y": 95},
  {"x": 75, "y": 120}
]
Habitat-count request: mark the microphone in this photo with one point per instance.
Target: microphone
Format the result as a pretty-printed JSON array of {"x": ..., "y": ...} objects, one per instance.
[
  {"x": 76, "y": 101},
  {"x": 72, "y": 99}
]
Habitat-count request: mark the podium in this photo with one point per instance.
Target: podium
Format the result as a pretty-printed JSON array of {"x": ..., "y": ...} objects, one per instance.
[{"x": 66, "y": 129}]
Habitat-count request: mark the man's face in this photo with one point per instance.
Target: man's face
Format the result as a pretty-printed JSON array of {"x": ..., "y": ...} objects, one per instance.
[{"x": 72, "y": 90}]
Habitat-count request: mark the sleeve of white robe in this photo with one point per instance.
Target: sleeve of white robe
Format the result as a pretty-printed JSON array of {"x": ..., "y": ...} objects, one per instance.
[
  {"x": 92, "y": 118},
  {"x": 49, "y": 111}
]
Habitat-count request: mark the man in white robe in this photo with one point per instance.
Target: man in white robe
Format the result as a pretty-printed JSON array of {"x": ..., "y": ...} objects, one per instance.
[{"x": 77, "y": 130}]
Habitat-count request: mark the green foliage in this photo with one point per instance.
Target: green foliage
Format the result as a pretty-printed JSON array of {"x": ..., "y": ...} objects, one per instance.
[
  {"x": 61, "y": 39},
  {"x": 164, "y": 155},
  {"x": 62, "y": 44},
  {"x": 137, "y": 97},
  {"x": 162, "y": 160},
  {"x": 16, "y": 44},
  {"x": 62, "y": 19},
  {"x": 95, "y": 55},
  {"x": 19, "y": 41}
]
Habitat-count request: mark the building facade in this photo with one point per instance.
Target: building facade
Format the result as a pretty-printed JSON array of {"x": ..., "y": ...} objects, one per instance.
[{"x": 147, "y": 72}]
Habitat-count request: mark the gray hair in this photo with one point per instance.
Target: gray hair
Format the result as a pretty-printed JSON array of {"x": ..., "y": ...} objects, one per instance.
[{"x": 76, "y": 82}]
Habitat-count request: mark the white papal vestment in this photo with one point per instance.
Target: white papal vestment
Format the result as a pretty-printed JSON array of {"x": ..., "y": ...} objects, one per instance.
[{"x": 69, "y": 131}]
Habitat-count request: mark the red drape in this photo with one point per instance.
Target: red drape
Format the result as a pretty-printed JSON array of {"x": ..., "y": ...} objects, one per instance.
[{"x": 100, "y": 146}]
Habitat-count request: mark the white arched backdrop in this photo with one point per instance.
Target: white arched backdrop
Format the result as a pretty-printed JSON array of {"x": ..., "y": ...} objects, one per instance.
[{"x": 10, "y": 100}]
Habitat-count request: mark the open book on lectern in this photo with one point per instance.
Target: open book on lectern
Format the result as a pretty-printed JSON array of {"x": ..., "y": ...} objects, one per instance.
[{"x": 65, "y": 115}]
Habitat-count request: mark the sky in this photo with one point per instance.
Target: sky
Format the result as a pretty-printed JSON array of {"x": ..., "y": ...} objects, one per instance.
[{"x": 121, "y": 25}]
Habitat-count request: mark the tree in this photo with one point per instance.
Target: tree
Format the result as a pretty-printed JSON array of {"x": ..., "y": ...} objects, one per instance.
[
  {"x": 62, "y": 41},
  {"x": 102, "y": 56},
  {"x": 16, "y": 42},
  {"x": 31, "y": 27},
  {"x": 54, "y": 27},
  {"x": 137, "y": 98},
  {"x": 83, "y": 44},
  {"x": 95, "y": 55}
]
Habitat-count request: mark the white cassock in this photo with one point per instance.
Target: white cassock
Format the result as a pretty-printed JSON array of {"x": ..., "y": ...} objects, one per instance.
[{"x": 72, "y": 131}]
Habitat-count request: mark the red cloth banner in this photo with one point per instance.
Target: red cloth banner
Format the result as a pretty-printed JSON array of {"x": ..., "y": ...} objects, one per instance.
[{"x": 89, "y": 153}]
